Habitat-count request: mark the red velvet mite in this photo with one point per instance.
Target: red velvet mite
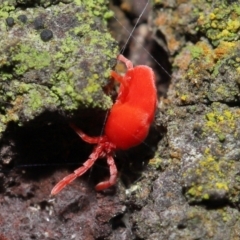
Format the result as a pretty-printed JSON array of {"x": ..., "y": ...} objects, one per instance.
[{"x": 127, "y": 124}]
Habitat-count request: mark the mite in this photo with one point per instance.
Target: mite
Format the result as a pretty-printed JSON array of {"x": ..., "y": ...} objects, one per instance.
[{"x": 127, "y": 124}]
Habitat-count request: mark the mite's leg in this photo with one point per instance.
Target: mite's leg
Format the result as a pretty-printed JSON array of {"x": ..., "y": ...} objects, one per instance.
[
  {"x": 127, "y": 62},
  {"x": 122, "y": 79},
  {"x": 85, "y": 137},
  {"x": 77, "y": 173},
  {"x": 113, "y": 175},
  {"x": 118, "y": 78}
]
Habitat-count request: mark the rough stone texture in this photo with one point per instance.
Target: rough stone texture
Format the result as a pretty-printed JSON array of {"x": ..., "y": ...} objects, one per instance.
[
  {"x": 53, "y": 59},
  {"x": 196, "y": 194},
  {"x": 189, "y": 189}
]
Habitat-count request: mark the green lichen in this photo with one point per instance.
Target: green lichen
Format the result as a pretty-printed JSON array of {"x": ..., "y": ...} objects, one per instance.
[
  {"x": 93, "y": 81},
  {"x": 63, "y": 74},
  {"x": 211, "y": 176},
  {"x": 221, "y": 122},
  {"x": 5, "y": 8},
  {"x": 208, "y": 63},
  {"x": 196, "y": 51},
  {"x": 96, "y": 8},
  {"x": 27, "y": 58},
  {"x": 35, "y": 100}
]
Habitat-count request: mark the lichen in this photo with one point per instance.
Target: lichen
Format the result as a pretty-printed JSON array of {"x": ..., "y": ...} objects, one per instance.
[
  {"x": 211, "y": 178},
  {"x": 5, "y": 8},
  {"x": 221, "y": 122},
  {"x": 27, "y": 58},
  {"x": 198, "y": 189},
  {"x": 221, "y": 24},
  {"x": 62, "y": 74}
]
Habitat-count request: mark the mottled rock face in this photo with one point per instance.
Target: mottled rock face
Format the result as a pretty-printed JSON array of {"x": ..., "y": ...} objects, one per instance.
[
  {"x": 53, "y": 59},
  {"x": 196, "y": 191},
  {"x": 57, "y": 58}
]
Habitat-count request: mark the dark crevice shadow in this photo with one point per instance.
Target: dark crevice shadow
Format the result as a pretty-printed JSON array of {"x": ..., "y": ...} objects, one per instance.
[
  {"x": 162, "y": 68},
  {"x": 48, "y": 142}
]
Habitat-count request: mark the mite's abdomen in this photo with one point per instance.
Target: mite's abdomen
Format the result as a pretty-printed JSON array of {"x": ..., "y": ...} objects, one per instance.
[
  {"x": 131, "y": 116},
  {"x": 127, "y": 127}
]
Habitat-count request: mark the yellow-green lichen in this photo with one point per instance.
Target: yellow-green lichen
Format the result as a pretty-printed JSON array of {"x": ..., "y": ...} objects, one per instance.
[
  {"x": 35, "y": 100},
  {"x": 27, "y": 57},
  {"x": 211, "y": 176},
  {"x": 222, "y": 23},
  {"x": 221, "y": 121},
  {"x": 196, "y": 51},
  {"x": 5, "y": 8},
  {"x": 184, "y": 97},
  {"x": 96, "y": 8},
  {"x": 66, "y": 73},
  {"x": 156, "y": 162}
]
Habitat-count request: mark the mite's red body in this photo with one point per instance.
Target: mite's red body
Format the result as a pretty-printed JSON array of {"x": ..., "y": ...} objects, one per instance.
[
  {"x": 133, "y": 112},
  {"x": 127, "y": 124}
]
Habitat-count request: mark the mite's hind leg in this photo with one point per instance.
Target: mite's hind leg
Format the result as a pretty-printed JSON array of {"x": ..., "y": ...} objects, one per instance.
[
  {"x": 77, "y": 173},
  {"x": 113, "y": 176}
]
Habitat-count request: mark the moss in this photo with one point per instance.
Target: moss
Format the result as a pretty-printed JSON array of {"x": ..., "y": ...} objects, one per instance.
[
  {"x": 5, "y": 76},
  {"x": 93, "y": 80}
]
